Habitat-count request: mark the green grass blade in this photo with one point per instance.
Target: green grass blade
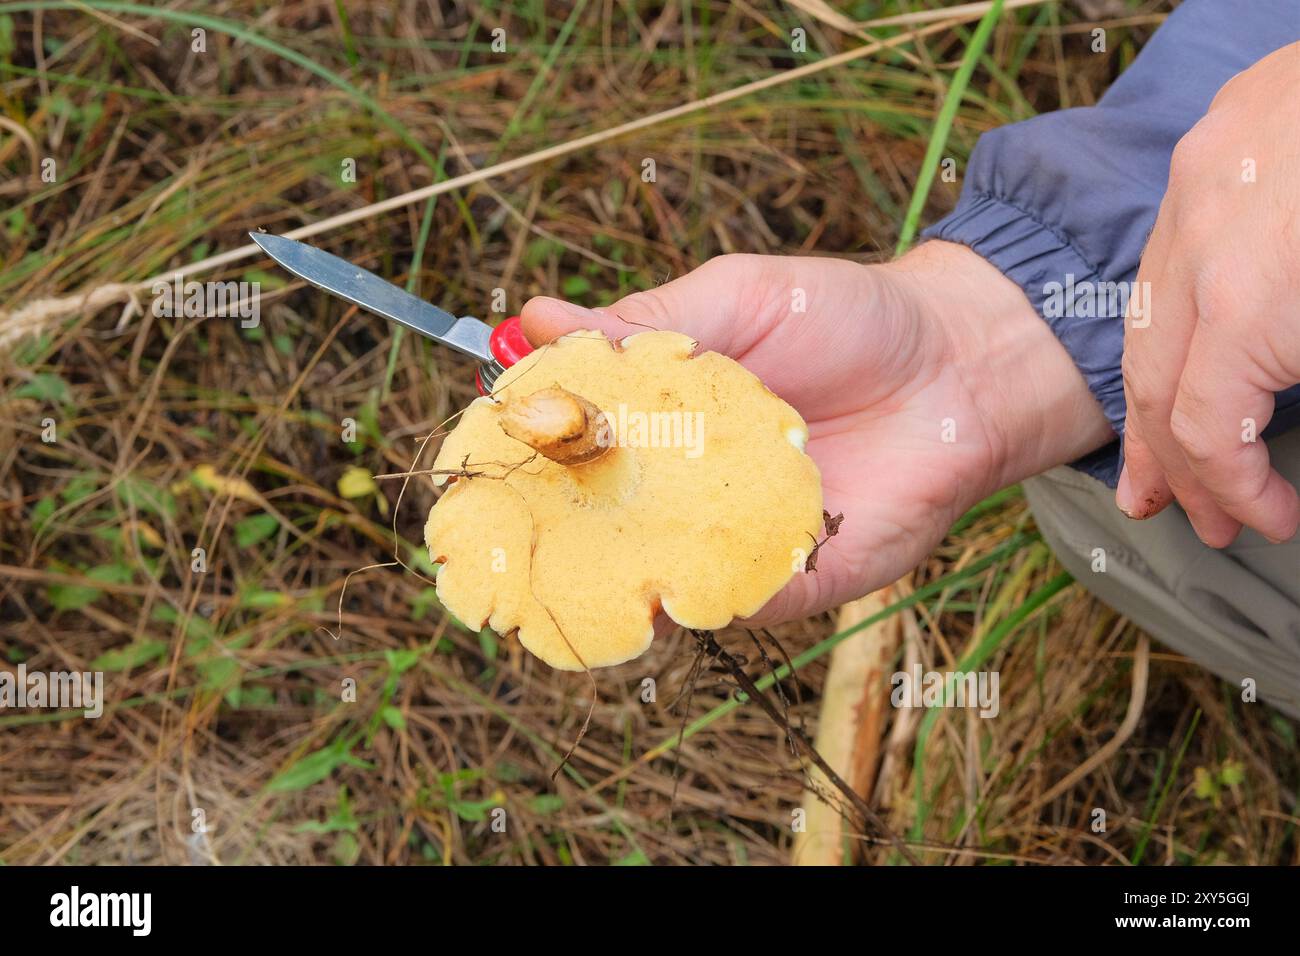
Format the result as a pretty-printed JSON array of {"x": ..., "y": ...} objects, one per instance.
[
  {"x": 939, "y": 137},
  {"x": 823, "y": 647}
]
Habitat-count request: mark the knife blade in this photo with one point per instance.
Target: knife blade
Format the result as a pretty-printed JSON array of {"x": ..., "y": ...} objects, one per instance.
[{"x": 363, "y": 288}]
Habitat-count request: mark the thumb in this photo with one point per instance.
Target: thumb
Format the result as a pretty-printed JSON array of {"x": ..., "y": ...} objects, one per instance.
[
  {"x": 698, "y": 304},
  {"x": 544, "y": 319}
]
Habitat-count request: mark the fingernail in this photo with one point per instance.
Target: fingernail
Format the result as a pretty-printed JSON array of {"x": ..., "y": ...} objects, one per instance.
[{"x": 1124, "y": 493}]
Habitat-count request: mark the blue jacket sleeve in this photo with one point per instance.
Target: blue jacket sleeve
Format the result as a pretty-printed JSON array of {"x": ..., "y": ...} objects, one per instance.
[{"x": 1063, "y": 203}]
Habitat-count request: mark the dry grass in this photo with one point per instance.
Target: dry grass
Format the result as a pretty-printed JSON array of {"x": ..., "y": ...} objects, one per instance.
[{"x": 224, "y": 687}]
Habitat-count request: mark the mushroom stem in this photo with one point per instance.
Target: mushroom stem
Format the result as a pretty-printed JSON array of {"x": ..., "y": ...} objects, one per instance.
[{"x": 558, "y": 424}]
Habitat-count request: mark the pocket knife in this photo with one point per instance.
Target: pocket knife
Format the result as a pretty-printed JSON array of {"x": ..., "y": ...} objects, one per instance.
[{"x": 496, "y": 349}]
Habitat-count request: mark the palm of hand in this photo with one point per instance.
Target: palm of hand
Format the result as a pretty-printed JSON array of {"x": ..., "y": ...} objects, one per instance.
[{"x": 866, "y": 371}]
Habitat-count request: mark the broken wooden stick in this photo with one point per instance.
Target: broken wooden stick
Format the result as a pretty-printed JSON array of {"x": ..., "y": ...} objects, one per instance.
[{"x": 850, "y": 726}]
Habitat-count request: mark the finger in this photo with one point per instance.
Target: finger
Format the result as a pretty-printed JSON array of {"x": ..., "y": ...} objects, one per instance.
[
  {"x": 1154, "y": 352},
  {"x": 1157, "y": 338},
  {"x": 1154, "y": 479},
  {"x": 1217, "y": 417},
  {"x": 1156, "y": 493},
  {"x": 544, "y": 319},
  {"x": 1212, "y": 524},
  {"x": 701, "y": 304},
  {"x": 1148, "y": 369}
]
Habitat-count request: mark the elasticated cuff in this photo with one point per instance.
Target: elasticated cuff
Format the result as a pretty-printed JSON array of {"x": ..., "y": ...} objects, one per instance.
[{"x": 1044, "y": 263}]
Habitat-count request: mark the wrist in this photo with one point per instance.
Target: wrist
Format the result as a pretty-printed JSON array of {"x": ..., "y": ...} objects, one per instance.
[{"x": 1027, "y": 395}]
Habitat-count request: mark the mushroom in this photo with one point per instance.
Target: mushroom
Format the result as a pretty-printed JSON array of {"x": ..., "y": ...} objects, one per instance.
[{"x": 601, "y": 483}]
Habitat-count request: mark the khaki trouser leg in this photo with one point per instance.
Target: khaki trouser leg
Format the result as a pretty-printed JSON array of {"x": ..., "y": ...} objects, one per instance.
[{"x": 1237, "y": 611}]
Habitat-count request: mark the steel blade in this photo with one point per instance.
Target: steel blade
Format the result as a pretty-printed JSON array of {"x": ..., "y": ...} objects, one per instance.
[{"x": 361, "y": 287}]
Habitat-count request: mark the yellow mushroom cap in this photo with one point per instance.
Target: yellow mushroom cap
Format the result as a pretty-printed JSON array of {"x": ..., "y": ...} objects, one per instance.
[{"x": 704, "y": 502}]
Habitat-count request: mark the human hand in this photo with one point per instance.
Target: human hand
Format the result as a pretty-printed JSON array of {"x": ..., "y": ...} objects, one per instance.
[
  {"x": 927, "y": 384},
  {"x": 1222, "y": 333}
]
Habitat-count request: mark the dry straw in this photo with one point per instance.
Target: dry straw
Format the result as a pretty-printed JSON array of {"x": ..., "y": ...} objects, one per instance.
[{"x": 37, "y": 315}]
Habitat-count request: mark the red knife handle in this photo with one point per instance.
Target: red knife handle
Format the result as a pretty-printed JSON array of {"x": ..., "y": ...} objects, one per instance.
[{"x": 508, "y": 344}]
